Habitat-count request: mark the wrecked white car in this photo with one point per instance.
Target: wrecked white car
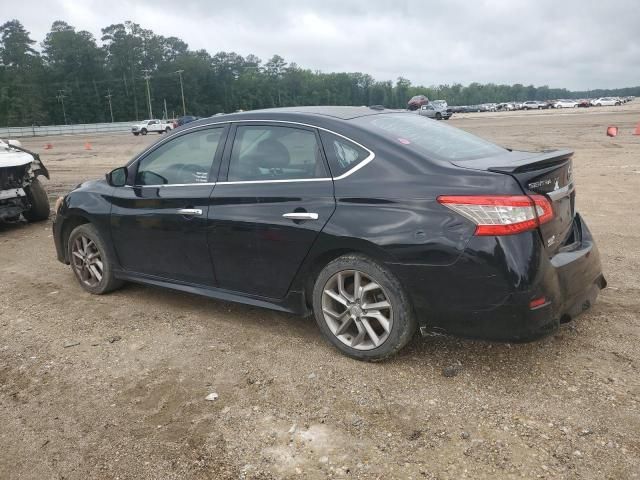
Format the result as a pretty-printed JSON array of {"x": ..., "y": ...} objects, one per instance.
[{"x": 20, "y": 190}]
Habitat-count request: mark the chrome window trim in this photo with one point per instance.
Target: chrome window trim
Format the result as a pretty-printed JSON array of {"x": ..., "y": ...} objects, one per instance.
[
  {"x": 161, "y": 185},
  {"x": 354, "y": 169},
  {"x": 287, "y": 180}
]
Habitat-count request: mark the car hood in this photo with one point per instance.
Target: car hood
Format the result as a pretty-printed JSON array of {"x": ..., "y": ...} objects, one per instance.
[{"x": 12, "y": 158}]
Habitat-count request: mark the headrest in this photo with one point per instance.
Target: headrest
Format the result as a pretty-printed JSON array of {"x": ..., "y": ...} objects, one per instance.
[{"x": 272, "y": 154}]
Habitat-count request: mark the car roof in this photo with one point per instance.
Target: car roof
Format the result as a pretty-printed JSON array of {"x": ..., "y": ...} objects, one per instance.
[{"x": 328, "y": 112}]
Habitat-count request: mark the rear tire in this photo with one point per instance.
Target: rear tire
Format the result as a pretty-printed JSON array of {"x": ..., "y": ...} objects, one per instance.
[
  {"x": 167, "y": 130},
  {"x": 136, "y": 134},
  {"x": 39, "y": 201},
  {"x": 90, "y": 261},
  {"x": 372, "y": 325}
]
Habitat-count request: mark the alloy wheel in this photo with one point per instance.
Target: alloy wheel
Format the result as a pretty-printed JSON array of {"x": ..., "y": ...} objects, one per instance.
[
  {"x": 357, "y": 310},
  {"x": 87, "y": 260}
]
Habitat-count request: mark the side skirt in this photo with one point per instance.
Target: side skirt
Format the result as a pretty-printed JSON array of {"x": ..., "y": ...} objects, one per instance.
[{"x": 292, "y": 303}]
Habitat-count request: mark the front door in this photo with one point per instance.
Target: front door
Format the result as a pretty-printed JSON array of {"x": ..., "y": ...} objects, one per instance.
[
  {"x": 264, "y": 218},
  {"x": 159, "y": 221}
]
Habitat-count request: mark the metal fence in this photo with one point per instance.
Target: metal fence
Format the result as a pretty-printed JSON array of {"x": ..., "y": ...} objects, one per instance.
[{"x": 39, "y": 131}]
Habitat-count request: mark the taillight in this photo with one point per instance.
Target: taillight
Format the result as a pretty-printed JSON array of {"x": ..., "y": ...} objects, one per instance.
[{"x": 501, "y": 214}]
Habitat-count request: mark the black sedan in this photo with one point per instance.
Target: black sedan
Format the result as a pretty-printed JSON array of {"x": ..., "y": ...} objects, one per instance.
[{"x": 377, "y": 221}]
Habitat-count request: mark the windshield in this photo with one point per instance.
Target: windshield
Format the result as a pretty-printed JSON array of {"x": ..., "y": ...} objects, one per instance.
[{"x": 430, "y": 137}]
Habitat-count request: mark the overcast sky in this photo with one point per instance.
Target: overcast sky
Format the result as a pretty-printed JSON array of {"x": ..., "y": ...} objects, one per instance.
[{"x": 577, "y": 44}]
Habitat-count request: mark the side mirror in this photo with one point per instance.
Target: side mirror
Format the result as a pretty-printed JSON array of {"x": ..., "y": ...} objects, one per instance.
[{"x": 117, "y": 177}]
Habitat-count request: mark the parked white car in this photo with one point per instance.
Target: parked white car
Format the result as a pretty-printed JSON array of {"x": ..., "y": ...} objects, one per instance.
[
  {"x": 148, "y": 126},
  {"x": 565, "y": 104},
  {"x": 606, "y": 101}
]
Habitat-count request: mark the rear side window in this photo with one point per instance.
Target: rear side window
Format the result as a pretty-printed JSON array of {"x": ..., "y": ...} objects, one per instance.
[
  {"x": 342, "y": 154},
  {"x": 429, "y": 137},
  {"x": 275, "y": 153}
]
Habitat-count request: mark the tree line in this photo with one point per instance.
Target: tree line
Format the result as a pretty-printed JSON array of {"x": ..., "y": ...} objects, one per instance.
[{"x": 74, "y": 79}]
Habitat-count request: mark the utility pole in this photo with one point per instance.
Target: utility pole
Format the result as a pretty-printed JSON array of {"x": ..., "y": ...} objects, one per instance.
[
  {"x": 165, "y": 109},
  {"x": 147, "y": 77},
  {"x": 61, "y": 96},
  {"x": 184, "y": 108},
  {"x": 108, "y": 97}
]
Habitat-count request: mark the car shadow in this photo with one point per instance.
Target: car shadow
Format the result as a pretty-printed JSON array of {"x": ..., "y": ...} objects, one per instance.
[{"x": 441, "y": 355}]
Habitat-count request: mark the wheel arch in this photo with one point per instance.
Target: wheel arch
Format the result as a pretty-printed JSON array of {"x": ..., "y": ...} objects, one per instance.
[{"x": 322, "y": 255}]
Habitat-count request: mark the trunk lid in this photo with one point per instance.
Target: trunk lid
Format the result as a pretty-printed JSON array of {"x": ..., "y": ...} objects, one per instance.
[{"x": 546, "y": 173}]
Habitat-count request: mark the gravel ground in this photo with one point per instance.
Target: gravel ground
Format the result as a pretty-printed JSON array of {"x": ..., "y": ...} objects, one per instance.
[{"x": 115, "y": 386}]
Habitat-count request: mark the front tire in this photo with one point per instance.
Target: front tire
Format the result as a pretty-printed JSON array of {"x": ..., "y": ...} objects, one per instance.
[
  {"x": 39, "y": 201},
  {"x": 361, "y": 308},
  {"x": 167, "y": 130},
  {"x": 90, "y": 261},
  {"x": 438, "y": 116},
  {"x": 143, "y": 131}
]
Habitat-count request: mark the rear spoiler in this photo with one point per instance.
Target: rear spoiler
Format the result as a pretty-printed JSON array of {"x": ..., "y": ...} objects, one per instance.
[
  {"x": 38, "y": 166},
  {"x": 517, "y": 161}
]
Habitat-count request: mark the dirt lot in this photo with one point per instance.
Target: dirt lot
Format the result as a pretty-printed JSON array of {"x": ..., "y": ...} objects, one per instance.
[{"x": 115, "y": 386}]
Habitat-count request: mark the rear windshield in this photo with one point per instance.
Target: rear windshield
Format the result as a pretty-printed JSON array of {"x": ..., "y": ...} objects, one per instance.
[{"x": 432, "y": 138}]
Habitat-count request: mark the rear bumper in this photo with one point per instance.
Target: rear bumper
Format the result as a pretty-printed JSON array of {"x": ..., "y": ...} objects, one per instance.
[{"x": 487, "y": 292}]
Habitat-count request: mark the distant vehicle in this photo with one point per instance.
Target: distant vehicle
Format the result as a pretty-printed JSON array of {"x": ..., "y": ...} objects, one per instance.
[
  {"x": 20, "y": 190},
  {"x": 566, "y": 104},
  {"x": 488, "y": 107},
  {"x": 435, "y": 111},
  {"x": 148, "y": 126},
  {"x": 439, "y": 103},
  {"x": 584, "y": 104},
  {"x": 606, "y": 102},
  {"x": 535, "y": 105},
  {"x": 508, "y": 106},
  {"x": 416, "y": 102},
  {"x": 531, "y": 105},
  {"x": 464, "y": 109},
  {"x": 186, "y": 119}
]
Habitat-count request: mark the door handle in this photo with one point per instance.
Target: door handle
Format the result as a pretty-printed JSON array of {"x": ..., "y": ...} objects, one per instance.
[
  {"x": 301, "y": 216},
  {"x": 190, "y": 211}
]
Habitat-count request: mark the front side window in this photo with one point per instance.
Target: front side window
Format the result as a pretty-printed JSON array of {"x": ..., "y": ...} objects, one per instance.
[
  {"x": 275, "y": 153},
  {"x": 342, "y": 154},
  {"x": 183, "y": 160}
]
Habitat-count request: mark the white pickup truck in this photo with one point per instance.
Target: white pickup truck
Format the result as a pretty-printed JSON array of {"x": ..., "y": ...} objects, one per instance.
[{"x": 148, "y": 126}]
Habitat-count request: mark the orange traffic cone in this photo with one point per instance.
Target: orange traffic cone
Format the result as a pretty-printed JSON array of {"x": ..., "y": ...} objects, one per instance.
[
  {"x": 612, "y": 131},
  {"x": 637, "y": 130},
  {"x": 87, "y": 146},
  {"x": 48, "y": 146}
]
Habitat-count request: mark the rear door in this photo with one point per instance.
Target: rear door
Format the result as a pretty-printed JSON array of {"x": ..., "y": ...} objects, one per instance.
[{"x": 275, "y": 197}]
